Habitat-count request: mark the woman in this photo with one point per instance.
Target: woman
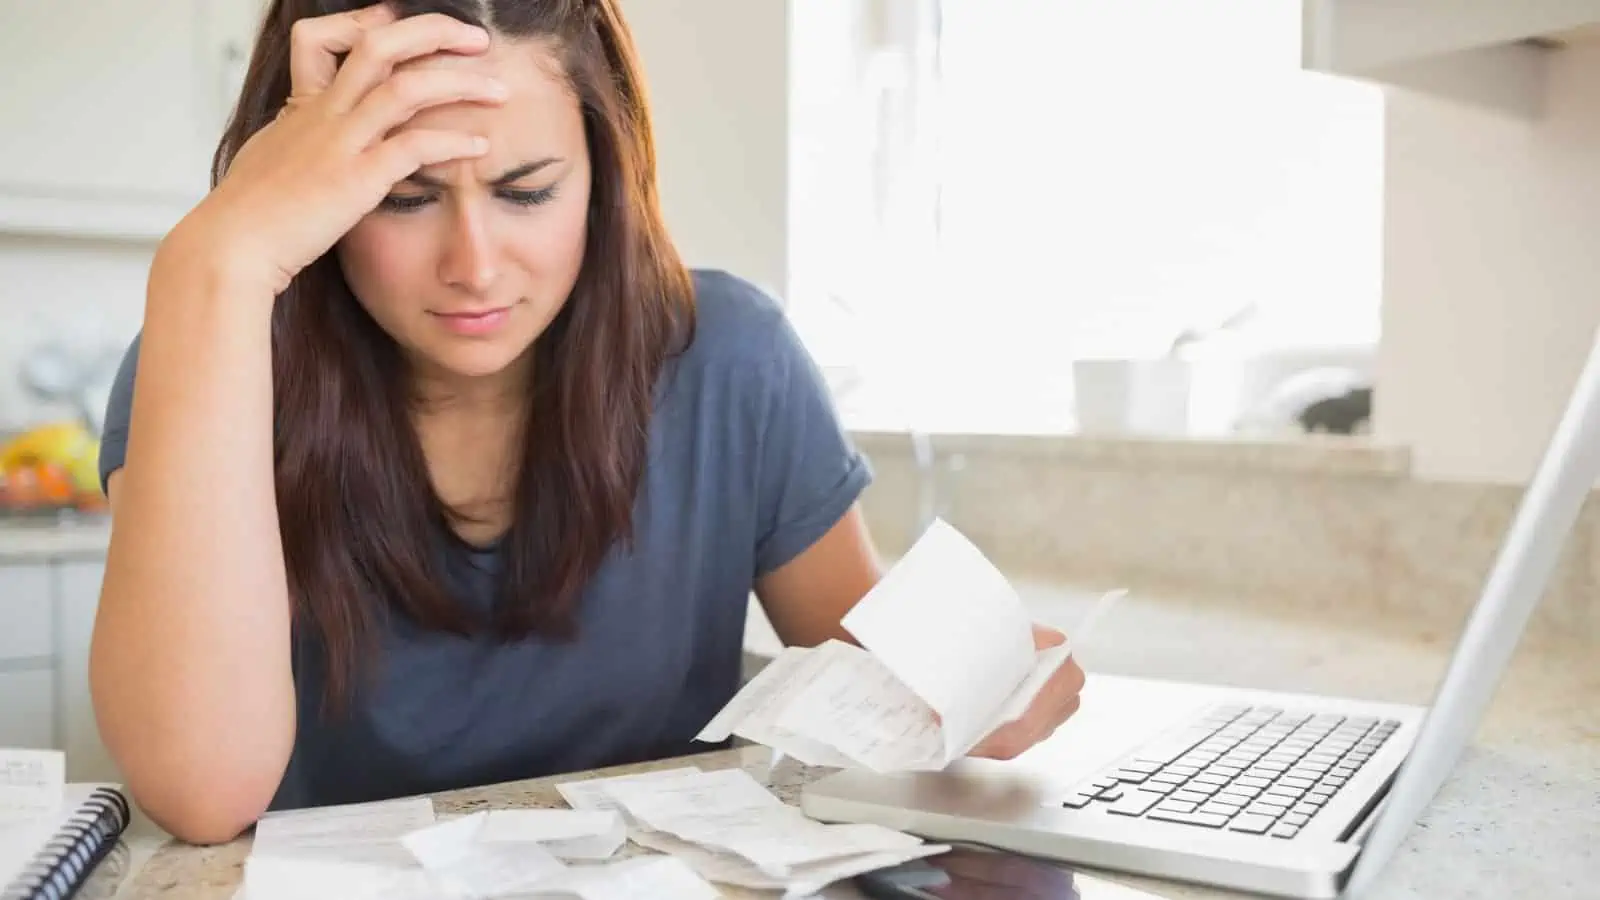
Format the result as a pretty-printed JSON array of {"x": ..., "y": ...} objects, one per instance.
[{"x": 433, "y": 466}]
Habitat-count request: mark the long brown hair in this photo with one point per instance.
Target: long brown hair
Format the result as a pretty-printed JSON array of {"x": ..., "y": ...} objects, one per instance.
[{"x": 362, "y": 527}]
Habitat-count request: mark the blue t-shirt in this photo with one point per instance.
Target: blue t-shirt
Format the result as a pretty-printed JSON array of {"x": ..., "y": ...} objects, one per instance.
[{"x": 748, "y": 466}]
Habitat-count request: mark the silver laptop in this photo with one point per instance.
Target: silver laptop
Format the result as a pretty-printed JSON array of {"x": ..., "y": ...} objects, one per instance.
[{"x": 1291, "y": 795}]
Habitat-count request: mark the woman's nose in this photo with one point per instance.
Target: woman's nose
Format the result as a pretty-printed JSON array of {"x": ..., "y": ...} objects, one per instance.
[{"x": 468, "y": 261}]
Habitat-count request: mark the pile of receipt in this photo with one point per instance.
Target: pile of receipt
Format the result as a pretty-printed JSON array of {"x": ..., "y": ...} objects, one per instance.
[{"x": 704, "y": 827}]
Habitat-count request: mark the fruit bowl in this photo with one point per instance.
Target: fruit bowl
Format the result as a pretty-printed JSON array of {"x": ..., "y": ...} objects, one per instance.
[{"x": 50, "y": 472}]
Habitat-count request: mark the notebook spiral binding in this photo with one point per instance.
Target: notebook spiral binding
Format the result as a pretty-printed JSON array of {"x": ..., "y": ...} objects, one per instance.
[{"x": 66, "y": 861}]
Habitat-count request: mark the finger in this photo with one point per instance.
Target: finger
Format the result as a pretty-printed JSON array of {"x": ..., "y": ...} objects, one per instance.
[
  {"x": 397, "y": 157},
  {"x": 379, "y": 50},
  {"x": 314, "y": 45},
  {"x": 408, "y": 92},
  {"x": 1045, "y": 637}
]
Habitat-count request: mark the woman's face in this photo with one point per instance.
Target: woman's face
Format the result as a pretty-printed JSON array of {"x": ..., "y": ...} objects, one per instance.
[{"x": 466, "y": 263}]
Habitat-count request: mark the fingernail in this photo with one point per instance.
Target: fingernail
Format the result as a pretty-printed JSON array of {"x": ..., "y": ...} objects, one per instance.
[
  {"x": 498, "y": 89},
  {"x": 480, "y": 145}
]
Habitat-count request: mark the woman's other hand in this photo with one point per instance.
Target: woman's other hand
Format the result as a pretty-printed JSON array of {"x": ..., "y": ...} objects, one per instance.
[
  {"x": 1056, "y": 702},
  {"x": 306, "y": 178}
]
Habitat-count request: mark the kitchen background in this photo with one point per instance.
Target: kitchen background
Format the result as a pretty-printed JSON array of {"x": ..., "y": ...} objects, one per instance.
[{"x": 992, "y": 222}]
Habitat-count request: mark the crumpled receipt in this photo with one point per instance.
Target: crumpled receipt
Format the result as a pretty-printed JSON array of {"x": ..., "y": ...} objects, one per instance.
[{"x": 946, "y": 657}]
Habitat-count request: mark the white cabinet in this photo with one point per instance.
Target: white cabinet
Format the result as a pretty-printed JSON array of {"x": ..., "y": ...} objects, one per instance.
[
  {"x": 47, "y": 610},
  {"x": 77, "y": 598},
  {"x": 27, "y": 709},
  {"x": 112, "y": 110},
  {"x": 1490, "y": 53},
  {"x": 26, "y": 614}
]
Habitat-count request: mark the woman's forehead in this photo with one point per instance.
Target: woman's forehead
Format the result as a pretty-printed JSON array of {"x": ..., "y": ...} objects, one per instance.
[{"x": 541, "y": 112}]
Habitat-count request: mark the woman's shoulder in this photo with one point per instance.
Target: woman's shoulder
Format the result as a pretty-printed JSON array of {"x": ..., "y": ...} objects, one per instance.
[{"x": 737, "y": 323}]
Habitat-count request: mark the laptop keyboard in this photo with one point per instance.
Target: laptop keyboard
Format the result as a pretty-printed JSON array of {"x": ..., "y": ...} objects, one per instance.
[{"x": 1250, "y": 769}]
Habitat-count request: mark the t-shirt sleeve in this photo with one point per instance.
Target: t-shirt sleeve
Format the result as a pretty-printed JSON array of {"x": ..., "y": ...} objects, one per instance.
[
  {"x": 119, "y": 409},
  {"x": 810, "y": 472}
]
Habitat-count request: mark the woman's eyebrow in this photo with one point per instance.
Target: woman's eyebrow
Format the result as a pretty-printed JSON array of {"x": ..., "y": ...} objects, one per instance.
[{"x": 505, "y": 178}]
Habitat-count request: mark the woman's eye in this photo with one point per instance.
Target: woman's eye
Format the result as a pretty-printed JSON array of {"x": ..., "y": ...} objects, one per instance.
[
  {"x": 529, "y": 198},
  {"x": 405, "y": 202}
]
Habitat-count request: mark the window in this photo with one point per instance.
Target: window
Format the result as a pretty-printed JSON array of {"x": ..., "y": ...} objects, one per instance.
[{"x": 986, "y": 190}]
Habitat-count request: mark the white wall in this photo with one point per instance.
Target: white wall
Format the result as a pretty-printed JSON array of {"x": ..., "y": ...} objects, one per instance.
[
  {"x": 718, "y": 81},
  {"x": 1491, "y": 274}
]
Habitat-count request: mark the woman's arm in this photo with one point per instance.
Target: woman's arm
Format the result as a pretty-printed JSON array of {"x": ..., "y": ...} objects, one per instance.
[
  {"x": 806, "y": 597},
  {"x": 191, "y": 665},
  {"x": 190, "y": 661}
]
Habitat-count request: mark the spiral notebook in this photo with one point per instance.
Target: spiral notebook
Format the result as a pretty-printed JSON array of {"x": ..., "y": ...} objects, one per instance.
[{"x": 51, "y": 856}]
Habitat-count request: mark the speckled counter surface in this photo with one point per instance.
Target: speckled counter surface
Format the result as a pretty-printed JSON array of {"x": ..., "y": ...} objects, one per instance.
[{"x": 1519, "y": 818}]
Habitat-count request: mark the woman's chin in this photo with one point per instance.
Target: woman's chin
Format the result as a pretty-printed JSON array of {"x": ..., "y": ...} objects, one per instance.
[{"x": 471, "y": 363}]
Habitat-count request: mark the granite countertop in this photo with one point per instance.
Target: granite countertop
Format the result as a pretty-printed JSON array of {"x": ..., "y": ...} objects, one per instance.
[{"x": 1518, "y": 817}]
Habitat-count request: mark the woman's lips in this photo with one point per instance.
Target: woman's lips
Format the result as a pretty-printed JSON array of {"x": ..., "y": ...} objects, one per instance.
[{"x": 474, "y": 324}]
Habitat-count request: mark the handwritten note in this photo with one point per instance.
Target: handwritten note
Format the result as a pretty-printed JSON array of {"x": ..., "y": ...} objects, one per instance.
[
  {"x": 947, "y": 656},
  {"x": 31, "y": 783}
]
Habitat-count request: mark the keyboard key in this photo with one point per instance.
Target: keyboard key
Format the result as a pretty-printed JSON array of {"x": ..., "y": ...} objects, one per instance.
[
  {"x": 1289, "y": 794},
  {"x": 1234, "y": 795},
  {"x": 1209, "y": 820},
  {"x": 1188, "y": 796},
  {"x": 1302, "y": 784},
  {"x": 1185, "y": 771},
  {"x": 1134, "y": 803},
  {"x": 1156, "y": 787},
  {"x": 1178, "y": 806},
  {"x": 1226, "y": 809},
  {"x": 1305, "y": 809},
  {"x": 1226, "y": 772},
  {"x": 1148, "y": 768},
  {"x": 1345, "y": 770},
  {"x": 1321, "y": 792},
  {"x": 1247, "y": 781},
  {"x": 1315, "y": 800},
  {"x": 1210, "y": 778},
  {"x": 1251, "y": 824},
  {"x": 1271, "y": 769},
  {"x": 1201, "y": 788},
  {"x": 1168, "y": 778},
  {"x": 1296, "y": 819},
  {"x": 1286, "y": 831},
  {"x": 1201, "y": 759},
  {"x": 1334, "y": 780},
  {"x": 1128, "y": 776},
  {"x": 1266, "y": 809},
  {"x": 1077, "y": 801},
  {"x": 1103, "y": 783},
  {"x": 1110, "y": 794}
]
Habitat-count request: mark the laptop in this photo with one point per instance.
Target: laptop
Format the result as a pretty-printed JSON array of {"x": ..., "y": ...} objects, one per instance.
[{"x": 1282, "y": 794}]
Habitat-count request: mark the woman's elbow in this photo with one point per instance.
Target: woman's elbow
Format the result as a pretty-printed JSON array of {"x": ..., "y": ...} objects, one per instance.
[{"x": 205, "y": 814}]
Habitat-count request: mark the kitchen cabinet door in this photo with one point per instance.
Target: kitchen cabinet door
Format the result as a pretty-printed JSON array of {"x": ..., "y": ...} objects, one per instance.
[
  {"x": 77, "y": 599},
  {"x": 111, "y": 111},
  {"x": 27, "y": 709},
  {"x": 26, "y": 614}
]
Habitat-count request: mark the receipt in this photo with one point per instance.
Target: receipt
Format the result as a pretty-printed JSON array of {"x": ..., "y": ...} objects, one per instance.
[
  {"x": 725, "y": 867},
  {"x": 594, "y": 793},
  {"x": 946, "y": 657},
  {"x": 949, "y": 625},
  {"x": 656, "y": 877},
  {"x": 352, "y": 833},
  {"x": 458, "y": 860},
  {"x": 569, "y": 834},
  {"x": 729, "y": 810},
  {"x": 32, "y": 782},
  {"x": 291, "y": 878}
]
